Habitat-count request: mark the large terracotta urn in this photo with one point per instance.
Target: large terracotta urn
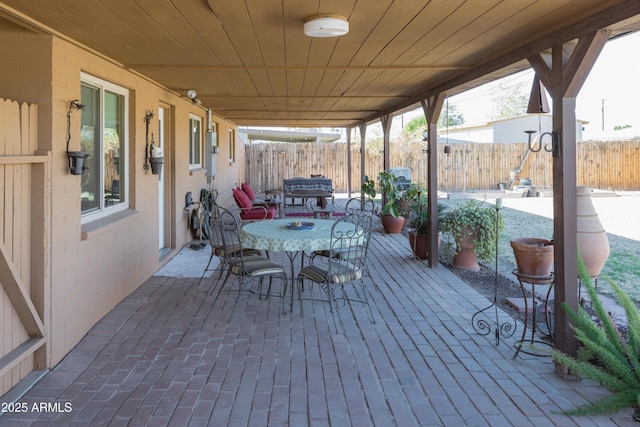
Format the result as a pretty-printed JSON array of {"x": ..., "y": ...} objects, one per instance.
[
  {"x": 534, "y": 257},
  {"x": 593, "y": 243},
  {"x": 465, "y": 257},
  {"x": 392, "y": 224}
]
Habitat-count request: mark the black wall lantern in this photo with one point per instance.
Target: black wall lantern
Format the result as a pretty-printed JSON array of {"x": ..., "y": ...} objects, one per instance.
[{"x": 77, "y": 159}]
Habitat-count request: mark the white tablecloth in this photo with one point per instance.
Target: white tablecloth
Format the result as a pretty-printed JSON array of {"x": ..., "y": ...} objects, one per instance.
[{"x": 273, "y": 235}]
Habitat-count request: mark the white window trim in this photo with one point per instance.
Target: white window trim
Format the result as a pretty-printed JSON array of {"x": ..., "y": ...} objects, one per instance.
[
  {"x": 193, "y": 166},
  {"x": 105, "y": 211},
  {"x": 232, "y": 146}
]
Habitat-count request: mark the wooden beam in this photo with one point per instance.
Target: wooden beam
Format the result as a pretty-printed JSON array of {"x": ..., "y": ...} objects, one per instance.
[
  {"x": 20, "y": 300},
  {"x": 363, "y": 133},
  {"x": 18, "y": 354},
  {"x": 432, "y": 107},
  {"x": 17, "y": 160},
  {"x": 582, "y": 60},
  {"x": 570, "y": 65},
  {"x": 255, "y": 67},
  {"x": 386, "y": 138},
  {"x": 349, "y": 162}
]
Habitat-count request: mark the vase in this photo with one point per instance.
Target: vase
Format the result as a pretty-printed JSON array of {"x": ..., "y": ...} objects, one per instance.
[
  {"x": 392, "y": 224},
  {"x": 419, "y": 244},
  {"x": 534, "y": 257},
  {"x": 156, "y": 165},
  {"x": 593, "y": 243},
  {"x": 465, "y": 257}
]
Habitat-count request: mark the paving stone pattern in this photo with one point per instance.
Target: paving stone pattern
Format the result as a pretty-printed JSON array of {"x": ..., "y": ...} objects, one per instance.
[{"x": 168, "y": 356}]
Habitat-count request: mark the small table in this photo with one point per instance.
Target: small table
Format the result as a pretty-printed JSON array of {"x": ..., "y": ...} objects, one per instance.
[
  {"x": 274, "y": 235},
  {"x": 273, "y": 202},
  {"x": 327, "y": 211},
  {"x": 533, "y": 281}
]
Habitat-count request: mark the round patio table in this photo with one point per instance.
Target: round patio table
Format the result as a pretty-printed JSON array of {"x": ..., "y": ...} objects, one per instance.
[{"x": 275, "y": 235}]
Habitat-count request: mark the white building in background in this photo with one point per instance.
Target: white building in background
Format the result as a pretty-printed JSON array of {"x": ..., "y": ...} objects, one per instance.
[{"x": 504, "y": 130}]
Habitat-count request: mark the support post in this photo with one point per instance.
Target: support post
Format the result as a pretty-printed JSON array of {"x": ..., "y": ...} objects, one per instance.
[
  {"x": 569, "y": 68},
  {"x": 432, "y": 107}
]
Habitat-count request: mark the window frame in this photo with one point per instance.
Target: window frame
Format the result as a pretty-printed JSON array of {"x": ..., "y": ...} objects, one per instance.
[
  {"x": 103, "y": 210},
  {"x": 193, "y": 150},
  {"x": 232, "y": 146}
]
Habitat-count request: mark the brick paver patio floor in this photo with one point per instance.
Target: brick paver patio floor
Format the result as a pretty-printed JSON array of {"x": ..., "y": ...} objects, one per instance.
[{"x": 168, "y": 356}]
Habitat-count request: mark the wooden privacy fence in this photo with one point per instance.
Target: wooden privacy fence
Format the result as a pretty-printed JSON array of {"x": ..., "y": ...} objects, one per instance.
[
  {"x": 24, "y": 255},
  {"x": 607, "y": 165}
]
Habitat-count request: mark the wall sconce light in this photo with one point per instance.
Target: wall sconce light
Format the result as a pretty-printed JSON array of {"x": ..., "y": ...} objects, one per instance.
[
  {"x": 425, "y": 135},
  {"x": 76, "y": 159},
  {"x": 193, "y": 96},
  {"x": 447, "y": 149}
]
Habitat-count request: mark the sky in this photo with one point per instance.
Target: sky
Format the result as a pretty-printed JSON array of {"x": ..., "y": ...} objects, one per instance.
[{"x": 615, "y": 78}]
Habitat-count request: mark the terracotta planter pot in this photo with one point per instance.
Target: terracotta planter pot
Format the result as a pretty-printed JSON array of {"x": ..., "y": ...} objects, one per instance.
[
  {"x": 419, "y": 244},
  {"x": 391, "y": 224},
  {"x": 466, "y": 258},
  {"x": 534, "y": 257}
]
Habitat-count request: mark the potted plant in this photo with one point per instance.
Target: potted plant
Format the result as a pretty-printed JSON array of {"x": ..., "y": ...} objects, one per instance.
[
  {"x": 534, "y": 257},
  {"x": 391, "y": 219},
  {"x": 475, "y": 230},
  {"x": 419, "y": 225},
  {"x": 607, "y": 355}
]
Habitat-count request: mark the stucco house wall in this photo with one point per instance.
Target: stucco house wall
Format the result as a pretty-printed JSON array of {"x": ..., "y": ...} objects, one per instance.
[{"x": 93, "y": 266}]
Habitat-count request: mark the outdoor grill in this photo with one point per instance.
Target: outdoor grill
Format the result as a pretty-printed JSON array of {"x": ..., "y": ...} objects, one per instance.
[{"x": 404, "y": 176}]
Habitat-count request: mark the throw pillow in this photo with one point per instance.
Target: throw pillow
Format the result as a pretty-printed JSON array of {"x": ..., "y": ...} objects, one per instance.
[
  {"x": 242, "y": 199},
  {"x": 249, "y": 191}
]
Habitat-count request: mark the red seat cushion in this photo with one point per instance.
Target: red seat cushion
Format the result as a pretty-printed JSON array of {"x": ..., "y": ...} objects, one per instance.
[
  {"x": 243, "y": 201},
  {"x": 258, "y": 213},
  {"x": 246, "y": 187}
]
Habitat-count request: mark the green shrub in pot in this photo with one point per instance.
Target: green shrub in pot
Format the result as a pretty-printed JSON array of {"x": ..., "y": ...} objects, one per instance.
[{"x": 472, "y": 216}]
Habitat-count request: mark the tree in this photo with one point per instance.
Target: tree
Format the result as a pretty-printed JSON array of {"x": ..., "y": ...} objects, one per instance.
[
  {"x": 448, "y": 117},
  {"x": 509, "y": 100}
]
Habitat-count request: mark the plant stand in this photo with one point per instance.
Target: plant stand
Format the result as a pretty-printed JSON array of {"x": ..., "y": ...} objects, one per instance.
[
  {"x": 481, "y": 321},
  {"x": 532, "y": 345}
]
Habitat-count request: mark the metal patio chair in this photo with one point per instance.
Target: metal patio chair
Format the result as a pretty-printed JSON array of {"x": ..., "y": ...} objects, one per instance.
[{"x": 345, "y": 265}]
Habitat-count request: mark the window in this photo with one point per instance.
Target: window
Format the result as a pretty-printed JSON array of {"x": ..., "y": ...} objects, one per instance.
[
  {"x": 103, "y": 134},
  {"x": 232, "y": 146},
  {"x": 195, "y": 141}
]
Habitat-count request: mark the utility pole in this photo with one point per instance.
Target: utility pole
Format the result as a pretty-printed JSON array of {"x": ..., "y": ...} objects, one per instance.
[{"x": 603, "y": 114}]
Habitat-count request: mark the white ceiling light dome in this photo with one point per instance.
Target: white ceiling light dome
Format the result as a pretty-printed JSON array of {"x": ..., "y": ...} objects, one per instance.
[{"x": 326, "y": 26}]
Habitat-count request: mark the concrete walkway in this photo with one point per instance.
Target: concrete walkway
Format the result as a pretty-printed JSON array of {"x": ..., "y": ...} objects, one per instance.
[{"x": 167, "y": 355}]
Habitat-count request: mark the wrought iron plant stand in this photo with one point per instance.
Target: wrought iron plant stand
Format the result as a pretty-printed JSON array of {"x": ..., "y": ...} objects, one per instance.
[{"x": 482, "y": 320}]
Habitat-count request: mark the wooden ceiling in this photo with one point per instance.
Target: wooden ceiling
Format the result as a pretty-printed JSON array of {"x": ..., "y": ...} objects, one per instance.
[{"x": 250, "y": 61}]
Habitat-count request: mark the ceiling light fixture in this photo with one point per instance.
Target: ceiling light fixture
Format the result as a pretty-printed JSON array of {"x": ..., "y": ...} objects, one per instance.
[{"x": 326, "y": 26}]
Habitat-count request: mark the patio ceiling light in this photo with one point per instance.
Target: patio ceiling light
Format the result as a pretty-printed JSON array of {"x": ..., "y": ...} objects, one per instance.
[{"x": 326, "y": 26}]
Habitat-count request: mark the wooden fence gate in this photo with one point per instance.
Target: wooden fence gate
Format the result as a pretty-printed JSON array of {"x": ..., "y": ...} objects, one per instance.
[{"x": 24, "y": 244}]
